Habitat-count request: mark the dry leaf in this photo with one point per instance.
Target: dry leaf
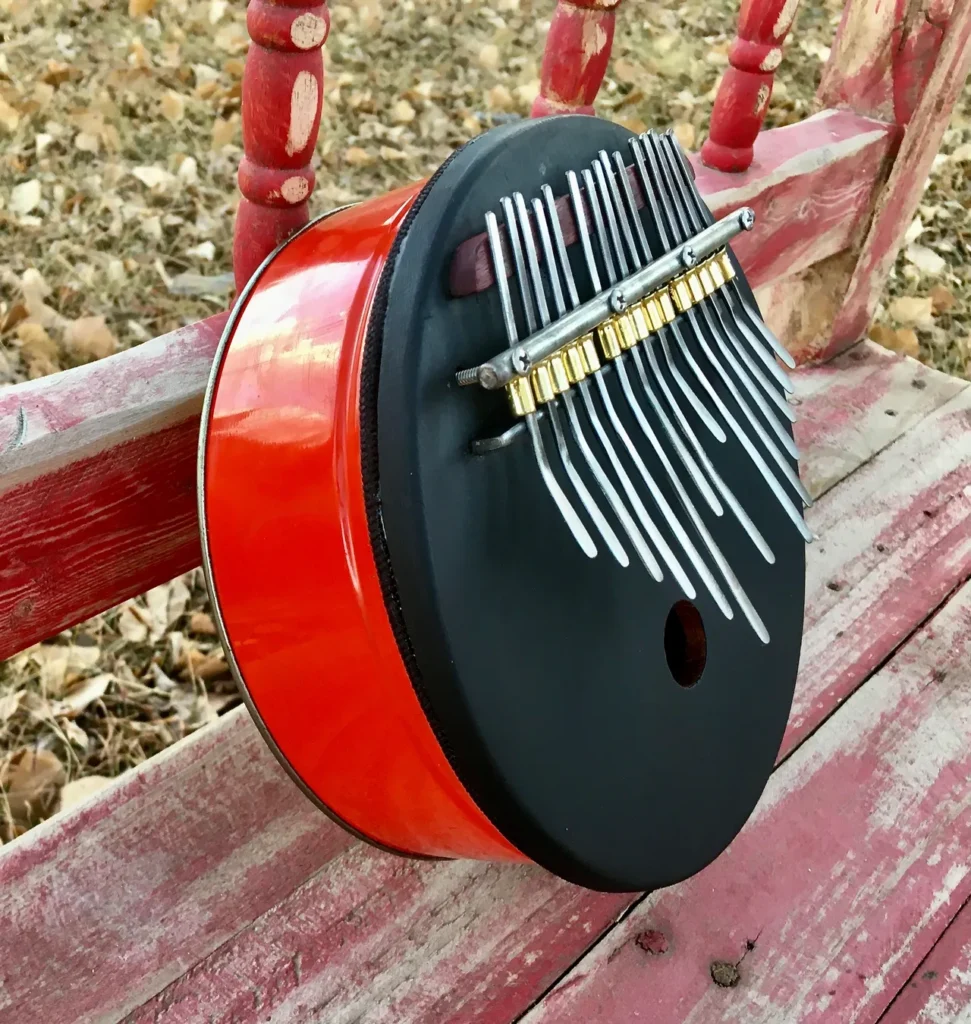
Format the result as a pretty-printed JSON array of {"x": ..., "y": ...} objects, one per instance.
[
  {"x": 232, "y": 37},
  {"x": 684, "y": 132},
  {"x": 926, "y": 260},
  {"x": 78, "y": 695},
  {"x": 87, "y": 142},
  {"x": 357, "y": 157},
  {"x": 9, "y": 703},
  {"x": 906, "y": 341},
  {"x": 499, "y": 98},
  {"x": 24, "y": 197},
  {"x": 626, "y": 72},
  {"x": 31, "y": 780},
  {"x": 204, "y": 666},
  {"x": 90, "y": 338},
  {"x": 200, "y": 622},
  {"x": 172, "y": 106},
  {"x": 942, "y": 299},
  {"x": 139, "y": 8},
  {"x": 132, "y": 625},
  {"x": 38, "y": 350},
  {"x": 154, "y": 177},
  {"x": 9, "y": 116},
  {"x": 13, "y": 316},
  {"x": 912, "y": 309},
  {"x": 526, "y": 94},
  {"x": 489, "y": 57},
  {"x": 914, "y": 231},
  {"x": 188, "y": 171},
  {"x": 402, "y": 112},
  {"x": 78, "y": 790},
  {"x": 223, "y": 132},
  {"x": 202, "y": 251}
]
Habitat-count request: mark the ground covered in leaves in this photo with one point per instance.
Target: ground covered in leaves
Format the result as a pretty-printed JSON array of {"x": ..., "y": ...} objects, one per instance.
[{"x": 119, "y": 142}]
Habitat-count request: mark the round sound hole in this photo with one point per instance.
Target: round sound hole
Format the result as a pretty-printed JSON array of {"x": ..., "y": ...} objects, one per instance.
[{"x": 685, "y": 643}]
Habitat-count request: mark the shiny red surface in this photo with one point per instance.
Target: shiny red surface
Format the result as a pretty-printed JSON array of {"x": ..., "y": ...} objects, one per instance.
[{"x": 292, "y": 564}]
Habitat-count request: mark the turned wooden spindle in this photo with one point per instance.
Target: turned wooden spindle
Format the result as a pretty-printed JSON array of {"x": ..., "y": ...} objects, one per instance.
[
  {"x": 576, "y": 55},
  {"x": 744, "y": 94},
  {"x": 283, "y": 85}
]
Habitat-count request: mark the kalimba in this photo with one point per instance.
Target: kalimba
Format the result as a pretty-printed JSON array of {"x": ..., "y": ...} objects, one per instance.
[{"x": 501, "y": 515}]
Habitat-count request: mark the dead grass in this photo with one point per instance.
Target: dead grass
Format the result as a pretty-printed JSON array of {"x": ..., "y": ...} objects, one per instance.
[{"x": 121, "y": 138}]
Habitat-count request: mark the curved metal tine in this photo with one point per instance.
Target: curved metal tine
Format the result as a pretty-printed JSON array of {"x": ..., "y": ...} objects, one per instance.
[
  {"x": 586, "y": 498},
  {"x": 707, "y": 218},
  {"x": 616, "y": 503},
  {"x": 554, "y": 220},
  {"x": 674, "y": 171},
  {"x": 689, "y": 224},
  {"x": 620, "y": 509},
  {"x": 603, "y": 481},
  {"x": 778, "y": 457},
  {"x": 723, "y": 489},
  {"x": 754, "y": 454},
  {"x": 572, "y": 520},
  {"x": 590, "y": 185},
  {"x": 674, "y": 524},
  {"x": 648, "y": 187},
  {"x": 689, "y": 463},
  {"x": 708, "y": 541},
  {"x": 585, "y": 392},
  {"x": 632, "y": 212},
  {"x": 610, "y": 196}
]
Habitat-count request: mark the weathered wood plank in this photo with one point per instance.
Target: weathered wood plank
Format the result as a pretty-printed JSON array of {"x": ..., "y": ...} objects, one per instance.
[
  {"x": 101, "y": 906},
  {"x": 898, "y": 200},
  {"x": 437, "y": 942},
  {"x": 810, "y": 185},
  {"x": 848, "y": 871},
  {"x": 97, "y": 480},
  {"x": 880, "y": 394},
  {"x": 882, "y": 57},
  {"x": 939, "y": 991}
]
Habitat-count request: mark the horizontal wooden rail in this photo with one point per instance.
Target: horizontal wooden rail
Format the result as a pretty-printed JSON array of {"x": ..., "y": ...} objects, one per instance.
[{"x": 97, "y": 464}]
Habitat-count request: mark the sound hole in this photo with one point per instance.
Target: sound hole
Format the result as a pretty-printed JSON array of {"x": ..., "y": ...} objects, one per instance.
[{"x": 685, "y": 643}]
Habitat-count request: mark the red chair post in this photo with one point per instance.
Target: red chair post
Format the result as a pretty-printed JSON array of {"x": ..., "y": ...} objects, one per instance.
[
  {"x": 744, "y": 94},
  {"x": 576, "y": 55},
  {"x": 283, "y": 86}
]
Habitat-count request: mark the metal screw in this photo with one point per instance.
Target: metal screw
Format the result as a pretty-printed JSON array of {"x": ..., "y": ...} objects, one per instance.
[
  {"x": 520, "y": 361},
  {"x": 747, "y": 218},
  {"x": 618, "y": 301},
  {"x": 688, "y": 256}
]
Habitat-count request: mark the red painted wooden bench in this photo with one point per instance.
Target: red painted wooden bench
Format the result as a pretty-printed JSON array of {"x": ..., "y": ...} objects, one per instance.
[{"x": 203, "y": 886}]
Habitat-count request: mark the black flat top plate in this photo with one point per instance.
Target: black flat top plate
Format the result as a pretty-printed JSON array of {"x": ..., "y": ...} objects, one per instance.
[{"x": 543, "y": 672}]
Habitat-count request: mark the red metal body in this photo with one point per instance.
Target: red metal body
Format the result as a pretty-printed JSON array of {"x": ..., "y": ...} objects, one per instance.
[{"x": 290, "y": 556}]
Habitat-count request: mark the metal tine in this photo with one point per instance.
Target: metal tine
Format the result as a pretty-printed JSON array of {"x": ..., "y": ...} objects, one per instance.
[
  {"x": 777, "y": 456},
  {"x": 720, "y": 352},
  {"x": 685, "y": 388},
  {"x": 691, "y": 225},
  {"x": 706, "y": 218},
  {"x": 633, "y": 214},
  {"x": 586, "y": 498},
  {"x": 744, "y": 602},
  {"x": 566, "y": 510},
  {"x": 674, "y": 524},
  {"x": 611, "y": 220},
  {"x": 633, "y": 497},
  {"x": 638, "y": 257},
  {"x": 616, "y": 503}
]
